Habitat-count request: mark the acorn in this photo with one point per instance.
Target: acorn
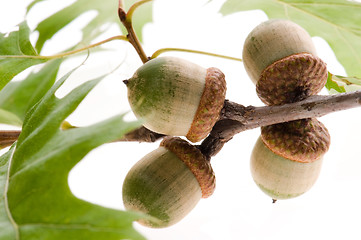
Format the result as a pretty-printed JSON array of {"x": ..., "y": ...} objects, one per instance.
[
  {"x": 280, "y": 58},
  {"x": 167, "y": 183},
  {"x": 177, "y": 97},
  {"x": 287, "y": 158}
]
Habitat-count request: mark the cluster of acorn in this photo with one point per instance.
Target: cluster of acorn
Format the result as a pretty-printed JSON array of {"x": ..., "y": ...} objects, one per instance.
[
  {"x": 281, "y": 60},
  {"x": 179, "y": 98}
]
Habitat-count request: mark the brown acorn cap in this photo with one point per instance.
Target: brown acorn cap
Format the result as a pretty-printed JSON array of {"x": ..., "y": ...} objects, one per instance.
[
  {"x": 210, "y": 105},
  {"x": 196, "y": 162},
  {"x": 305, "y": 140},
  {"x": 292, "y": 79}
]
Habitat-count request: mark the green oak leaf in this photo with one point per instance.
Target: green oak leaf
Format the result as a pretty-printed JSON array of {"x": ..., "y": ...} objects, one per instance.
[
  {"x": 35, "y": 200},
  {"x": 336, "y": 21},
  {"x": 340, "y": 84},
  {"x": 18, "y": 97},
  {"x": 107, "y": 13},
  {"x": 16, "y": 43}
]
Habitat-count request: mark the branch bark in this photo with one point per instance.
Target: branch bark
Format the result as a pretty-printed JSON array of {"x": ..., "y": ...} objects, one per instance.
[{"x": 236, "y": 118}]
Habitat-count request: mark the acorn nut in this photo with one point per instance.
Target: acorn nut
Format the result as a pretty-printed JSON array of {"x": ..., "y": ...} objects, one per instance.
[
  {"x": 168, "y": 182},
  {"x": 177, "y": 97},
  {"x": 287, "y": 158},
  {"x": 280, "y": 58}
]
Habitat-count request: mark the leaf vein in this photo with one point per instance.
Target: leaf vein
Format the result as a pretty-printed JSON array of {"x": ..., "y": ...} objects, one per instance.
[
  {"x": 6, "y": 201},
  {"x": 73, "y": 227}
]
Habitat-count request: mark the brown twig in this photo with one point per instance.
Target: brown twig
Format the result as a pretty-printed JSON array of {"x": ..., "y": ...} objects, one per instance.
[
  {"x": 141, "y": 134},
  {"x": 132, "y": 37},
  {"x": 7, "y": 138},
  {"x": 236, "y": 118}
]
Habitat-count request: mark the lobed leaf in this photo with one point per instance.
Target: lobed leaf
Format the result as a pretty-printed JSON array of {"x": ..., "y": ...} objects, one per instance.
[
  {"x": 18, "y": 97},
  {"x": 35, "y": 199},
  {"x": 337, "y": 21},
  {"x": 107, "y": 13},
  {"x": 16, "y": 43}
]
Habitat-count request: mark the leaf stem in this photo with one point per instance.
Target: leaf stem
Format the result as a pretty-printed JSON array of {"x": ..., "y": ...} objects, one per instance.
[
  {"x": 163, "y": 50},
  {"x": 133, "y": 8},
  {"x": 65, "y": 54},
  {"x": 126, "y": 19}
]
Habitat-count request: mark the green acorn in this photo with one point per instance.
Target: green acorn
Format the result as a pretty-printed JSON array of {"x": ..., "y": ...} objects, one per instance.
[
  {"x": 177, "y": 97},
  {"x": 168, "y": 182},
  {"x": 287, "y": 158},
  {"x": 280, "y": 58}
]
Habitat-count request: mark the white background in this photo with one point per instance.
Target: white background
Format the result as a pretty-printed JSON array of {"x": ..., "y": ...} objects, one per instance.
[{"x": 238, "y": 209}]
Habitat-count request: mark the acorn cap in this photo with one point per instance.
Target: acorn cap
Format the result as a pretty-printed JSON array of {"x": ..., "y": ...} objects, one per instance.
[
  {"x": 196, "y": 162},
  {"x": 210, "y": 105},
  {"x": 292, "y": 79},
  {"x": 305, "y": 140}
]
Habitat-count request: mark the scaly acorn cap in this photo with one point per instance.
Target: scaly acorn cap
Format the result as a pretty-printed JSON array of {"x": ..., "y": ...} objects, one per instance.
[
  {"x": 280, "y": 58},
  {"x": 286, "y": 160},
  {"x": 304, "y": 140},
  {"x": 210, "y": 105},
  {"x": 167, "y": 183},
  {"x": 196, "y": 162},
  {"x": 177, "y": 97}
]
